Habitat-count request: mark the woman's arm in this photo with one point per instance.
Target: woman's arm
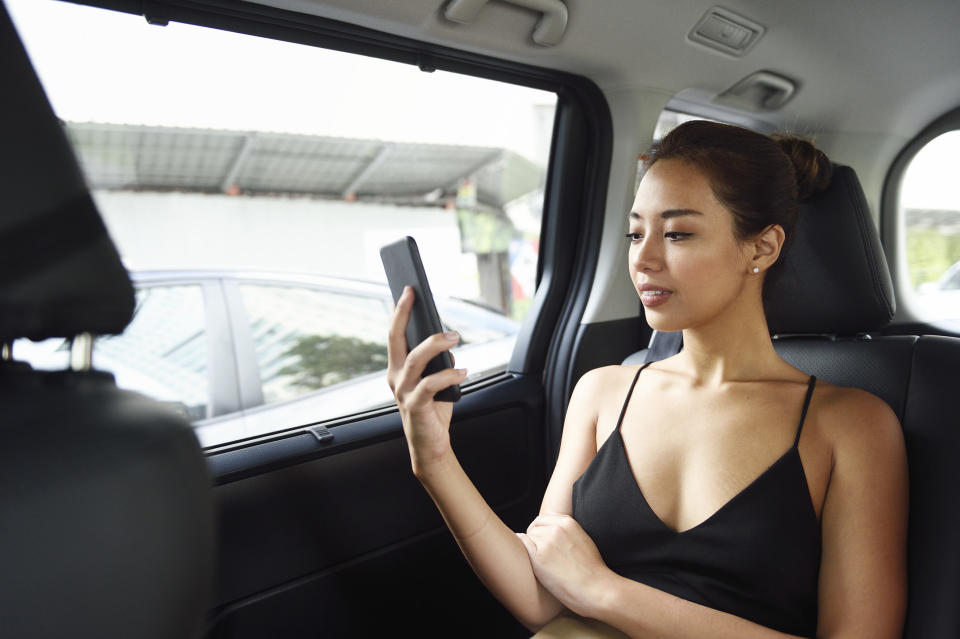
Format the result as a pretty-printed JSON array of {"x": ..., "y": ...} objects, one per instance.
[
  {"x": 494, "y": 552},
  {"x": 490, "y": 547},
  {"x": 568, "y": 564},
  {"x": 863, "y": 569}
]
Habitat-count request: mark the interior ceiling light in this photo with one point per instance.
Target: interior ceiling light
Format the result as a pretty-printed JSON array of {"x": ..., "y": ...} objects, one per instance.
[
  {"x": 727, "y": 32},
  {"x": 549, "y": 28}
]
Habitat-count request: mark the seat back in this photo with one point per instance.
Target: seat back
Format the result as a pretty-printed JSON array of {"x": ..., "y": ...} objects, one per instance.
[
  {"x": 836, "y": 290},
  {"x": 106, "y": 526}
]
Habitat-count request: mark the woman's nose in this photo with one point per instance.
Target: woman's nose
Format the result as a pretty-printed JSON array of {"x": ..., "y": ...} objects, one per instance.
[{"x": 647, "y": 254}]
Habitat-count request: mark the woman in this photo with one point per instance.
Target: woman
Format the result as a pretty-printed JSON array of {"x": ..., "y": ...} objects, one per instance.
[{"x": 720, "y": 492}]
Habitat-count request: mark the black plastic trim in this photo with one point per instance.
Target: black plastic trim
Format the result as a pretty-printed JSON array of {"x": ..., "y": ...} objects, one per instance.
[
  {"x": 923, "y": 328},
  {"x": 301, "y": 446},
  {"x": 310, "y": 30},
  {"x": 582, "y": 190}
]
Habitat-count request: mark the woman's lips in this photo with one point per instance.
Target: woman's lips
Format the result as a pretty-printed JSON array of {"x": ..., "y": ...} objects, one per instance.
[{"x": 651, "y": 297}]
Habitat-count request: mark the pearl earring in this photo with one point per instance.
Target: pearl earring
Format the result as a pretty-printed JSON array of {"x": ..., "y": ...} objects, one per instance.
[{"x": 756, "y": 269}]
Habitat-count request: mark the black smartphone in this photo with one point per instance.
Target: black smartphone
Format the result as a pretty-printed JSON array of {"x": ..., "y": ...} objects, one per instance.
[{"x": 401, "y": 261}]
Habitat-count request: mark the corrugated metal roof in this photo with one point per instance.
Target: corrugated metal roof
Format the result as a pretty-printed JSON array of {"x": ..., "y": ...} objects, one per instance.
[{"x": 131, "y": 157}]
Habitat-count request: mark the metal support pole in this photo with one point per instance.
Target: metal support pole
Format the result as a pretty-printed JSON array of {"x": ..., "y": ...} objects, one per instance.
[{"x": 81, "y": 352}]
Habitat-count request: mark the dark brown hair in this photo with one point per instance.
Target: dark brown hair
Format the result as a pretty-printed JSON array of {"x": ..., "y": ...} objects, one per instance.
[{"x": 759, "y": 178}]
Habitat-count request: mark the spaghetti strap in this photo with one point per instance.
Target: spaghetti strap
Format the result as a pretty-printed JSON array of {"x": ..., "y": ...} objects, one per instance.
[
  {"x": 626, "y": 400},
  {"x": 806, "y": 404}
]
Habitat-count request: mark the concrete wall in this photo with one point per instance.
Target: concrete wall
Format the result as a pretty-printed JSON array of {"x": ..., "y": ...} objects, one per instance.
[{"x": 194, "y": 231}]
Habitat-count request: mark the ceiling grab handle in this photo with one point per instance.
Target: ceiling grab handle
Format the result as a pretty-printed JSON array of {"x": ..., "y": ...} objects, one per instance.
[{"x": 549, "y": 28}]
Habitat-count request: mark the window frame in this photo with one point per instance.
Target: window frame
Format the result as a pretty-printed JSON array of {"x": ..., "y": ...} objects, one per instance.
[
  {"x": 893, "y": 230},
  {"x": 578, "y": 171},
  {"x": 223, "y": 398}
]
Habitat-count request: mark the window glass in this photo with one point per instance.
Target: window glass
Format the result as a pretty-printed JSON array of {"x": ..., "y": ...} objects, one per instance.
[
  {"x": 218, "y": 155},
  {"x": 930, "y": 210},
  {"x": 163, "y": 352},
  {"x": 307, "y": 339},
  {"x": 46, "y": 355},
  {"x": 327, "y": 336}
]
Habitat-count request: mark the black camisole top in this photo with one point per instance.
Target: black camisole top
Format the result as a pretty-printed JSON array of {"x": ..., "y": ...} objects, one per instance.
[{"x": 757, "y": 557}]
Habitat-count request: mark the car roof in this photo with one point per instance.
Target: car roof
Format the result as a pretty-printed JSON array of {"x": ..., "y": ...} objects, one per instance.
[
  {"x": 151, "y": 276},
  {"x": 462, "y": 307},
  {"x": 861, "y": 65}
]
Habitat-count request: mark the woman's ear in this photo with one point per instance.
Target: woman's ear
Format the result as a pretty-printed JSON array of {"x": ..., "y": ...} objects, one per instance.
[{"x": 766, "y": 247}]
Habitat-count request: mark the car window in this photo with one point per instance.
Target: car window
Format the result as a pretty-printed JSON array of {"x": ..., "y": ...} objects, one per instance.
[
  {"x": 224, "y": 154},
  {"x": 930, "y": 212}
]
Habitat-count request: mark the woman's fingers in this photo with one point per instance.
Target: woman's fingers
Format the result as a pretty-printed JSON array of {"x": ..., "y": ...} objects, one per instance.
[
  {"x": 433, "y": 384},
  {"x": 417, "y": 359},
  {"x": 528, "y": 544},
  {"x": 404, "y": 370},
  {"x": 397, "y": 336}
]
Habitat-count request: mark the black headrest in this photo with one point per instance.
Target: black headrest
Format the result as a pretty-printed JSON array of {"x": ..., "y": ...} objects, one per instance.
[
  {"x": 835, "y": 278},
  {"x": 60, "y": 275}
]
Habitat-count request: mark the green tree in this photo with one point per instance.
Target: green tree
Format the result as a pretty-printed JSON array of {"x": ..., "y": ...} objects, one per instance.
[
  {"x": 930, "y": 253},
  {"x": 324, "y": 360}
]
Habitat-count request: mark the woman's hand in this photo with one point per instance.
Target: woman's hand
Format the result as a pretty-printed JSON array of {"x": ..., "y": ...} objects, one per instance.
[
  {"x": 566, "y": 561},
  {"x": 426, "y": 423}
]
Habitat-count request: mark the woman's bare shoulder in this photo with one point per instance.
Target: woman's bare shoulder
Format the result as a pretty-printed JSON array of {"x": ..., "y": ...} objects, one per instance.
[
  {"x": 857, "y": 421},
  {"x": 603, "y": 378},
  {"x": 578, "y": 445},
  {"x": 594, "y": 391}
]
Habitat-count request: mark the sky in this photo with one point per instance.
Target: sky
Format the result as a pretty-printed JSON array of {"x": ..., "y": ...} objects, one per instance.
[
  {"x": 102, "y": 66},
  {"x": 931, "y": 180}
]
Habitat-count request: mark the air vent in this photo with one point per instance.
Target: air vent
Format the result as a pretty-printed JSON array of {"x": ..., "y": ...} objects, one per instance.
[{"x": 724, "y": 31}]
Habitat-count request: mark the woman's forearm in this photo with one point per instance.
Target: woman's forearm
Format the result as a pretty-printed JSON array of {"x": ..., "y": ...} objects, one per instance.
[
  {"x": 494, "y": 552},
  {"x": 643, "y": 612}
]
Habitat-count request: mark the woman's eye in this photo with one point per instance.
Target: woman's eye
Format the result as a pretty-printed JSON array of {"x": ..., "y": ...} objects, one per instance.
[
  {"x": 634, "y": 237},
  {"x": 675, "y": 236}
]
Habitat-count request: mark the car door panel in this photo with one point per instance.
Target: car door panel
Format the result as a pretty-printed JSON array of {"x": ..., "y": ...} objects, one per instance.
[{"x": 311, "y": 533}]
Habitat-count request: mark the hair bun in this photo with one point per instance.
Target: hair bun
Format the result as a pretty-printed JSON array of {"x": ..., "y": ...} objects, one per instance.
[{"x": 811, "y": 165}]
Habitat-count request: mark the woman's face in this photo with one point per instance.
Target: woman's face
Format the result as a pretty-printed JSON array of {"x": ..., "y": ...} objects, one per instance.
[{"x": 685, "y": 261}]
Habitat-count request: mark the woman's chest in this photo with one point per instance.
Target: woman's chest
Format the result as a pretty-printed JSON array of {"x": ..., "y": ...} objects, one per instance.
[{"x": 688, "y": 462}]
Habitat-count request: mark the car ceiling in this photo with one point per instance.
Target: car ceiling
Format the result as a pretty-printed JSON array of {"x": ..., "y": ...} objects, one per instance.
[{"x": 861, "y": 65}]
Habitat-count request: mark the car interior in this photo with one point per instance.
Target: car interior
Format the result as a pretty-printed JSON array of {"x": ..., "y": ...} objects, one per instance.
[{"x": 114, "y": 521}]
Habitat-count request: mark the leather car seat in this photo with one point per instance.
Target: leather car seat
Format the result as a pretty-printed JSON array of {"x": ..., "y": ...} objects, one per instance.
[
  {"x": 106, "y": 520},
  {"x": 824, "y": 312},
  {"x": 835, "y": 294}
]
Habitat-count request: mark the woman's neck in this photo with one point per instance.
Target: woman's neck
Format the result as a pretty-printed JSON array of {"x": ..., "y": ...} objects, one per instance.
[{"x": 736, "y": 346}]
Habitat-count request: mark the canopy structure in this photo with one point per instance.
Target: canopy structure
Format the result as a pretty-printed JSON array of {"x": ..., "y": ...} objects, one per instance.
[{"x": 133, "y": 157}]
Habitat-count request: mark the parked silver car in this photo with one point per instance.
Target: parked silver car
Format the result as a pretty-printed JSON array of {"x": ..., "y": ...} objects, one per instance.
[{"x": 243, "y": 354}]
